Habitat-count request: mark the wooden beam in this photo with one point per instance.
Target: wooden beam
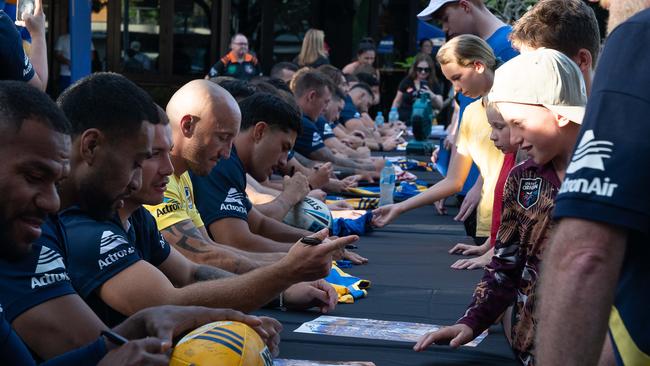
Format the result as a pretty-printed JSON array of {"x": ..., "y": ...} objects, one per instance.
[
  {"x": 224, "y": 43},
  {"x": 113, "y": 35},
  {"x": 267, "y": 39},
  {"x": 166, "y": 37}
]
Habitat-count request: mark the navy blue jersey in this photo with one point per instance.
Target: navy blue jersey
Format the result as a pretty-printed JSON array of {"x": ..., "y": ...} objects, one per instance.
[
  {"x": 149, "y": 243},
  {"x": 349, "y": 111},
  {"x": 37, "y": 277},
  {"x": 98, "y": 250},
  {"x": 606, "y": 180},
  {"x": 95, "y": 252},
  {"x": 222, "y": 193},
  {"x": 310, "y": 140},
  {"x": 14, "y": 63},
  {"x": 324, "y": 128}
]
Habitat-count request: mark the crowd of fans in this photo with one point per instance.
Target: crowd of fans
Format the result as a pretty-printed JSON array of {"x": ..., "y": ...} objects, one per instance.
[{"x": 145, "y": 222}]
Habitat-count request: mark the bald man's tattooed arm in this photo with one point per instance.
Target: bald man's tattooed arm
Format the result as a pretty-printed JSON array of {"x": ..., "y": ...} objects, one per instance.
[{"x": 190, "y": 241}]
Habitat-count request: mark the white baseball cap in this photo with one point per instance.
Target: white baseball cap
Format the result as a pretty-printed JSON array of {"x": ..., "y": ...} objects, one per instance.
[
  {"x": 544, "y": 77},
  {"x": 434, "y": 6}
]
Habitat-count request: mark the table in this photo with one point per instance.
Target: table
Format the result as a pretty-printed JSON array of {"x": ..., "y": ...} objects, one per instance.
[{"x": 411, "y": 281}]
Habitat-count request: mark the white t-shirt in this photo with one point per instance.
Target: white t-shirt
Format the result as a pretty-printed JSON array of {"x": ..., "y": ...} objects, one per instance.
[{"x": 63, "y": 46}]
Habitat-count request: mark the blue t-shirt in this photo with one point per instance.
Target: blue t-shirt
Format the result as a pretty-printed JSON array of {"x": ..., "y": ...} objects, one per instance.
[
  {"x": 149, "y": 242},
  {"x": 349, "y": 111},
  {"x": 37, "y": 277},
  {"x": 324, "y": 128},
  {"x": 98, "y": 250},
  {"x": 14, "y": 63},
  {"x": 222, "y": 193},
  {"x": 602, "y": 184},
  {"x": 310, "y": 140}
]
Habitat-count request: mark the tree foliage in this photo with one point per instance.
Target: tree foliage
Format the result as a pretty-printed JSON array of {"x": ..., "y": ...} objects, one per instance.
[{"x": 509, "y": 10}]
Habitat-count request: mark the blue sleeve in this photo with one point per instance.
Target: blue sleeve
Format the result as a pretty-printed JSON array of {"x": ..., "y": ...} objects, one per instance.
[
  {"x": 599, "y": 184},
  {"x": 12, "y": 350},
  {"x": 310, "y": 140},
  {"x": 222, "y": 193},
  {"x": 87, "y": 355},
  {"x": 349, "y": 111},
  {"x": 96, "y": 251},
  {"x": 14, "y": 63},
  {"x": 151, "y": 245},
  {"x": 37, "y": 277},
  {"x": 324, "y": 128}
]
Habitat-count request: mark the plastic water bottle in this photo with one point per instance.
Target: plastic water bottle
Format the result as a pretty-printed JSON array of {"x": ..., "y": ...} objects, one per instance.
[
  {"x": 379, "y": 119},
  {"x": 386, "y": 184},
  {"x": 393, "y": 116}
]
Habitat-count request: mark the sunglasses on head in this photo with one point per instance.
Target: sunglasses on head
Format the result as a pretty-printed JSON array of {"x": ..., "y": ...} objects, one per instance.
[{"x": 423, "y": 69}]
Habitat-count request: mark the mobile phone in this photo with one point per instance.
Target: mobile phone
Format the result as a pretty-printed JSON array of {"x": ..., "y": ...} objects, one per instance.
[
  {"x": 24, "y": 6},
  {"x": 114, "y": 338},
  {"x": 309, "y": 240}
]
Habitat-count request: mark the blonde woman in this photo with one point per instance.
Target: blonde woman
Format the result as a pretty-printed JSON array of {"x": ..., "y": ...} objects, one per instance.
[
  {"x": 313, "y": 52},
  {"x": 469, "y": 63}
]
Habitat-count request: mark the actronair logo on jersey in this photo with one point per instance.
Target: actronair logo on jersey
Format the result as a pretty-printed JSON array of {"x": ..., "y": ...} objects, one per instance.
[
  {"x": 589, "y": 155},
  {"x": 233, "y": 201},
  {"x": 49, "y": 269},
  {"x": 316, "y": 139},
  {"x": 109, "y": 242}
]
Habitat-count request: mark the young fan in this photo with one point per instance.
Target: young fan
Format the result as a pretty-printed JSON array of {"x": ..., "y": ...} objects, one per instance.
[
  {"x": 469, "y": 63},
  {"x": 541, "y": 96}
]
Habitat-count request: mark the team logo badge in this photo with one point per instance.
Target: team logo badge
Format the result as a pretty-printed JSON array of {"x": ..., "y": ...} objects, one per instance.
[
  {"x": 188, "y": 198},
  {"x": 528, "y": 194},
  {"x": 249, "y": 69}
]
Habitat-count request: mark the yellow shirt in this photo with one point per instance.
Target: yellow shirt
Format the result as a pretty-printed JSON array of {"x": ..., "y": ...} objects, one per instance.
[
  {"x": 178, "y": 204},
  {"x": 474, "y": 141}
]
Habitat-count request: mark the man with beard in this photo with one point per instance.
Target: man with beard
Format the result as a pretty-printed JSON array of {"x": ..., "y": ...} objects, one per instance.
[
  {"x": 598, "y": 256},
  {"x": 35, "y": 291}
]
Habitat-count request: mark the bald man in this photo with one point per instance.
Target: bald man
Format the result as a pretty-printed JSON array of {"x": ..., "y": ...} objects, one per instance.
[{"x": 199, "y": 139}]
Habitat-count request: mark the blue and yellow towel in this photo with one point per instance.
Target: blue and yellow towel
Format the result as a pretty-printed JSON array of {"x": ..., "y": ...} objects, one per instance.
[{"x": 349, "y": 288}]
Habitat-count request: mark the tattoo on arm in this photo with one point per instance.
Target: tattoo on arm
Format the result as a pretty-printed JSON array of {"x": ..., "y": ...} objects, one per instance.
[
  {"x": 186, "y": 236},
  {"x": 207, "y": 273}
]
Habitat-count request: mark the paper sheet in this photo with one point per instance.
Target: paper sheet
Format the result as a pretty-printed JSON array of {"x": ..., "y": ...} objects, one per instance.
[
  {"x": 285, "y": 362},
  {"x": 373, "y": 329}
]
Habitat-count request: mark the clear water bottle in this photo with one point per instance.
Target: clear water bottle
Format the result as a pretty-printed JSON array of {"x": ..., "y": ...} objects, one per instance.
[
  {"x": 393, "y": 116},
  {"x": 379, "y": 119},
  {"x": 386, "y": 184}
]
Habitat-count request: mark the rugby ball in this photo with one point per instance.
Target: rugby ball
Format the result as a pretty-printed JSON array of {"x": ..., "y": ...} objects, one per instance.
[
  {"x": 223, "y": 343},
  {"x": 310, "y": 214}
]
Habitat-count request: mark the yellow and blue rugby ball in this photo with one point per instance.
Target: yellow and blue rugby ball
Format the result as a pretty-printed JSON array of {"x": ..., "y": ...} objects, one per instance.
[{"x": 223, "y": 343}]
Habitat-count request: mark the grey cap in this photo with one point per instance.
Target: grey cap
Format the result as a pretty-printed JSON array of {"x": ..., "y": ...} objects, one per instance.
[{"x": 543, "y": 77}]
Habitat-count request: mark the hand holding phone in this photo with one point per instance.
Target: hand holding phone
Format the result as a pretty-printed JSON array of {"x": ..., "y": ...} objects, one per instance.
[{"x": 24, "y": 7}]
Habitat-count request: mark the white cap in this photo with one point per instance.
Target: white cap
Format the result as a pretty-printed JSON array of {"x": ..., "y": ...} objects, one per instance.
[
  {"x": 434, "y": 6},
  {"x": 545, "y": 77}
]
